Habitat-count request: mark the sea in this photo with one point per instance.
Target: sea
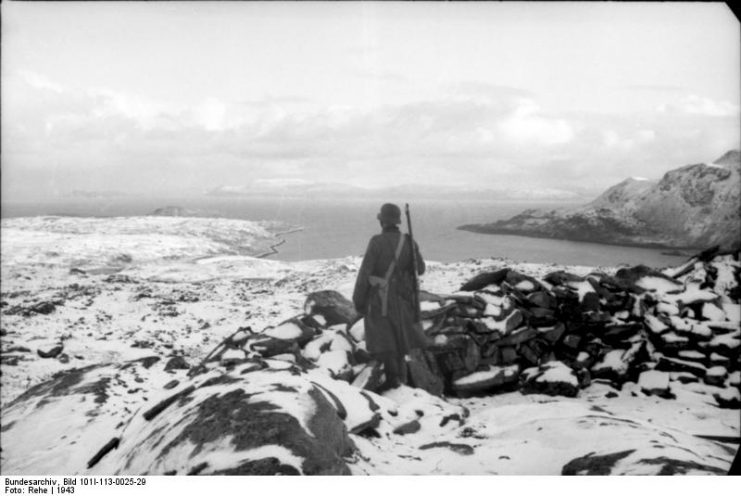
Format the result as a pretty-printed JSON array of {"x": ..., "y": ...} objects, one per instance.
[{"x": 336, "y": 228}]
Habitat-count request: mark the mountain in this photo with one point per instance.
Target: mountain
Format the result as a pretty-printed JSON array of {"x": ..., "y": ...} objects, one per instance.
[
  {"x": 419, "y": 191},
  {"x": 695, "y": 206}
]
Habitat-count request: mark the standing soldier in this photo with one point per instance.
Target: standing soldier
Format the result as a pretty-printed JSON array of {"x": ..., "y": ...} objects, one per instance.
[{"x": 384, "y": 295}]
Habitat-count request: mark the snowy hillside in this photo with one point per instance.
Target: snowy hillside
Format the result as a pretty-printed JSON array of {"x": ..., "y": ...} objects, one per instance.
[{"x": 105, "y": 323}]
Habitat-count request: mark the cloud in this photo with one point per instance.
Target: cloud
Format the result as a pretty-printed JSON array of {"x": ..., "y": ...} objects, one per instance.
[
  {"x": 700, "y": 105},
  {"x": 475, "y": 133},
  {"x": 527, "y": 125}
]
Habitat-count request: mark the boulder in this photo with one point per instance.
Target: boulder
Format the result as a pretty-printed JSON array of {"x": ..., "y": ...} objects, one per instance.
[{"x": 335, "y": 308}]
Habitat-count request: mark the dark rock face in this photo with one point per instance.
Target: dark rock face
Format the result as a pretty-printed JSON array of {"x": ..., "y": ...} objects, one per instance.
[
  {"x": 592, "y": 464},
  {"x": 695, "y": 206}
]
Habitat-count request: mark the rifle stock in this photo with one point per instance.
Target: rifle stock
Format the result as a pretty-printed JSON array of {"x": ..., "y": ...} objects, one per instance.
[{"x": 415, "y": 296}]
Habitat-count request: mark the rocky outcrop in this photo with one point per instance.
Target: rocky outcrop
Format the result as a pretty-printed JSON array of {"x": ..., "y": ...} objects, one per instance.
[{"x": 695, "y": 206}]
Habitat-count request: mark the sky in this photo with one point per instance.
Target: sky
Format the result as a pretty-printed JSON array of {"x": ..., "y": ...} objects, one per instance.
[{"x": 170, "y": 98}]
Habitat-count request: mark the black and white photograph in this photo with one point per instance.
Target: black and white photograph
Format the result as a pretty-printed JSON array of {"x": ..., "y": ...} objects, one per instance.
[{"x": 368, "y": 238}]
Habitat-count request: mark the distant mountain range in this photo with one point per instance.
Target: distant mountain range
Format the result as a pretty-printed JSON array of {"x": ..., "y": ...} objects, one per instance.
[
  {"x": 695, "y": 206},
  {"x": 409, "y": 191}
]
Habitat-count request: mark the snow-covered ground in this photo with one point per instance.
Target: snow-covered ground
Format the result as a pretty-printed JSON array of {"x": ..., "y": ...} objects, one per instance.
[{"x": 119, "y": 289}]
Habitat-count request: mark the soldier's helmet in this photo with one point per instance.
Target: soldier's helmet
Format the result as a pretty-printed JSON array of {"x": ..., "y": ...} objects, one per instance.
[{"x": 389, "y": 214}]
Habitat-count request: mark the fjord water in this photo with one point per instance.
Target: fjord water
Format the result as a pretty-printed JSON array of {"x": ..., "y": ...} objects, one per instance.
[{"x": 339, "y": 228}]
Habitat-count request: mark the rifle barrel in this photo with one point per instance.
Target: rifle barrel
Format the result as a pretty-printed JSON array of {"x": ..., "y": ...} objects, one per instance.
[{"x": 415, "y": 296}]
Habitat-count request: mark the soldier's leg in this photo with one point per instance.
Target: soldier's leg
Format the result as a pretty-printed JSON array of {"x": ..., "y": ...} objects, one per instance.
[{"x": 392, "y": 370}]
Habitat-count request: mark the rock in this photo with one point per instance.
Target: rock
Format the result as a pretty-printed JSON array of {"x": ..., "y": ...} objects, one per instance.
[
  {"x": 177, "y": 363},
  {"x": 10, "y": 360},
  {"x": 643, "y": 276},
  {"x": 728, "y": 398},
  {"x": 292, "y": 330},
  {"x": 692, "y": 355},
  {"x": 552, "y": 334},
  {"x": 616, "y": 364},
  {"x": 590, "y": 302},
  {"x": 592, "y": 464},
  {"x": 552, "y": 378},
  {"x": 716, "y": 376},
  {"x": 675, "y": 365},
  {"x": 483, "y": 280},
  {"x": 370, "y": 376},
  {"x": 337, "y": 364},
  {"x": 734, "y": 379},
  {"x": 541, "y": 299},
  {"x": 655, "y": 325},
  {"x": 616, "y": 333},
  {"x": 518, "y": 336},
  {"x": 408, "y": 428},
  {"x": 487, "y": 379},
  {"x": 683, "y": 377},
  {"x": 711, "y": 311},
  {"x": 726, "y": 345},
  {"x": 52, "y": 352},
  {"x": 508, "y": 355},
  {"x": 572, "y": 341},
  {"x": 357, "y": 331},
  {"x": 654, "y": 382},
  {"x": 673, "y": 342},
  {"x": 334, "y": 307},
  {"x": 716, "y": 359},
  {"x": 460, "y": 448},
  {"x": 560, "y": 277},
  {"x": 521, "y": 282}
]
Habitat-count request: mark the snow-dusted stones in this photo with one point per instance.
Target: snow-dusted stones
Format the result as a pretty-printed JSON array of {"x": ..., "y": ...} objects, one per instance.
[
  {"x": 80, "y": 410},
  {"x": 552, "y": 378}
]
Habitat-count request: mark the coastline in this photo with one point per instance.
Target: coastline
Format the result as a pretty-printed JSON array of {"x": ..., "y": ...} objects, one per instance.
[
  {"x": 273, "y": 247},
  {"x": 596, "y": 240}
]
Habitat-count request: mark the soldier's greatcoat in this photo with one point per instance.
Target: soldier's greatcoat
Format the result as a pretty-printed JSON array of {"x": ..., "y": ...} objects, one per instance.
[{"x": 396, "y": 332}]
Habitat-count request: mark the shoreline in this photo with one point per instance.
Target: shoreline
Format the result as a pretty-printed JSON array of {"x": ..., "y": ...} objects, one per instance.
[{"x": 281, "y": 236}]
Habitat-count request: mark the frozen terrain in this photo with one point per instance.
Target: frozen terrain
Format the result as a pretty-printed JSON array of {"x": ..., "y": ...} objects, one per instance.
[{"x": 86, "y": 292}]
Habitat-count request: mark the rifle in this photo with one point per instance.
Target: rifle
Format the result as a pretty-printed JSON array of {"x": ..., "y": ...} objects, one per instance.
[{"x": 415, "y": 296}]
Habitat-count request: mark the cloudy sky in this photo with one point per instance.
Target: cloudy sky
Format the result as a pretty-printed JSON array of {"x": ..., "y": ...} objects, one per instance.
[{"x": 171, "y": 98}]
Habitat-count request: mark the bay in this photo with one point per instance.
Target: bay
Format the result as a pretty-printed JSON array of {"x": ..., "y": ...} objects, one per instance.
[{"x": 335, "y": 228}]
